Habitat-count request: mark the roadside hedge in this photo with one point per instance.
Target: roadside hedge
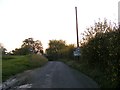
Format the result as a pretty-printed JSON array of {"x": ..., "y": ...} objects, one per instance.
[{"x": 101, "y": 49}]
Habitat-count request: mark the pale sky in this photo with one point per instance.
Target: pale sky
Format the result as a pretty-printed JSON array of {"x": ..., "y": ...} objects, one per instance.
[{"x": 45, "y": 20}]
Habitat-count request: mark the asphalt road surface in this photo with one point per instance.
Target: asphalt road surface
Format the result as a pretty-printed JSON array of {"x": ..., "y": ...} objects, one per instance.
[{"x": 56, "y": 74}]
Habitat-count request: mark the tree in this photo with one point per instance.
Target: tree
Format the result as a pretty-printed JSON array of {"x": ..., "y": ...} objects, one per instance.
[
  {"x": 34, "y": 46},
  {"x": 67, "y": 52},
  {"x": 38, "y": 46},
  {"x": 29, "y": 46},
  {"x": 97, "y": 30},
  {"x": 58, "y": 49},
  {"x": 2, "y": 49},
  {"x": 55, "y": 48}
]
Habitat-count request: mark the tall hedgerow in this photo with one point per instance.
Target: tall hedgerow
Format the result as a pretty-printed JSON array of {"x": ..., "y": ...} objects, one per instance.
[{"x": 101, "y": 49}]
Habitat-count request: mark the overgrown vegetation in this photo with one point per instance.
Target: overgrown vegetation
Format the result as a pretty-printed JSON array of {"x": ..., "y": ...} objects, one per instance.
[
  {"x": 18, "y": 64},
  {"x": 102, "y": 51}
]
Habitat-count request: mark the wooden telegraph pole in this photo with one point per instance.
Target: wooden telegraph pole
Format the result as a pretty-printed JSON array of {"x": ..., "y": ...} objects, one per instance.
[
  {"x": 77, "y": 28},
  {"x": 77, "y": 51}
]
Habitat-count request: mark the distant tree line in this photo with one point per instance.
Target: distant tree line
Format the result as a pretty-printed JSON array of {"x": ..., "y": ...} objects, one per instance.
[{"x": 28, "y": 46}]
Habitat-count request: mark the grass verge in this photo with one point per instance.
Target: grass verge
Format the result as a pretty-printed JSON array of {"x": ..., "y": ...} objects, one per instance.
[
  {"x": 18, "y": 64},
  {"x": 94, "y": 73}
]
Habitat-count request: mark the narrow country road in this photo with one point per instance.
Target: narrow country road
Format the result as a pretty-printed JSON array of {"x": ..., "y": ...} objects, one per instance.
[{"x": 56, "y": 74}]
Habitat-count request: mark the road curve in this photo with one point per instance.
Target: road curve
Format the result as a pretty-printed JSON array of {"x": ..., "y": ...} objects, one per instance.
[{"x": 56, "y": 74}]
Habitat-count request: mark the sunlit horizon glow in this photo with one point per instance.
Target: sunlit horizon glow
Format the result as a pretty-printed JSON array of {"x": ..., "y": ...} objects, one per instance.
[{"x": 45, "y": 20}]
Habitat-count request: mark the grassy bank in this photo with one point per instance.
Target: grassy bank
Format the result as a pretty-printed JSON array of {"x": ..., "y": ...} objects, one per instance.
[
  {"x": 12, "y": 65},
  {"x": 94, "y": 73}
]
